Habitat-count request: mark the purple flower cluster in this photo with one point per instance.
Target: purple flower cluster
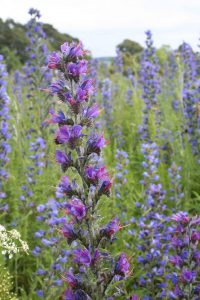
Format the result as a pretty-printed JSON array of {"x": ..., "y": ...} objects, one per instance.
[
  {"x": 48, "y": 241},
  {"x": 191, "y": 99},
  {"x": 176, "y": 189},
  {"x": 18, "y": 83},
  {"x": 107, "y": 103},
  {"x": 150, "y": 82},
  {"x": 118, "y": 62},
  {"x": 93, "y": 71},
  {"x": 80, "y": 150},
  {"x": 154, "y": 235},
  {"x": 172, "y": 75},
  {"x": 185, "y": 260},
  {"x": 37, "y": 55},
  {"x": 34, "y": 169},
  {"x": 4, "y": 131},
  {"x": 132, "y": 84}
]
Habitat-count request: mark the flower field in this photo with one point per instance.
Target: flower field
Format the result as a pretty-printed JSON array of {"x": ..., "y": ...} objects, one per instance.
[{"x": 99, "y": 173}]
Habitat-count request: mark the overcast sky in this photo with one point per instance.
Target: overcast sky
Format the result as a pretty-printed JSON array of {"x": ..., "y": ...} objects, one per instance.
[{"x": 102, "y": 24}]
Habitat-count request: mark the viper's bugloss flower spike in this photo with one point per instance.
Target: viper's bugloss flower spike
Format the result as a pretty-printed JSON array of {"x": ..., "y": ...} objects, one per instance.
[
  {"x": 190, "y": 97},
  {"x": 118, "y": 62},
  {"x": 150, "y": 83},
  {"x": 154, "y": 234},
  {"x": 5, "y": 134},
  {"x": 37, "y": 75},
  {"x": 107, "y": 103},
  {"x": 80, "y": 148}
]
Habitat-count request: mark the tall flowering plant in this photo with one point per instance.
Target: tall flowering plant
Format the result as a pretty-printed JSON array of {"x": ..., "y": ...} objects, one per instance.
[
  {"x": 79, "y": 148},
  {"x": 36, "y": 71},
  {"x": 107, "y": 103},
  {"x": 150, "y": 83},
  {"x": 36, "y": 75},
  {"x": 118, "y": 62},
  {"x": 4, "y": 132},
  {"x": 190, "y": 96},
  {"x": 153, "y": 235}
]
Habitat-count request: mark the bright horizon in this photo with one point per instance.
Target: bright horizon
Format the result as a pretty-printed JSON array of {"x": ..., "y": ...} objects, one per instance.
[{"x": 101, "y": 25}]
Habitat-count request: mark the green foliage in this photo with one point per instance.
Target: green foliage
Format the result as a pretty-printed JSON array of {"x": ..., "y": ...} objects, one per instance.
[
  {"x": 163, "y": 54},
  {"x": 12, "y": 36},
  {"x": 6, "y": 285},
  {"x": 130, "y": 47},
  {"x": 13, "y": 61},
  {"x": 13, "y": 41},
  {"x": 55, "y": 38}
]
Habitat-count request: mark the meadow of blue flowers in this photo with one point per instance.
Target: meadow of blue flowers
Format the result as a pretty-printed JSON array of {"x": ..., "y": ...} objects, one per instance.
[{"x": 99, "y": 173}]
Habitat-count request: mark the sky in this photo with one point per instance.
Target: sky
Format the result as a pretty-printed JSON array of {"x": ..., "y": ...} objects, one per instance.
[{"x": 103, "y": 24}]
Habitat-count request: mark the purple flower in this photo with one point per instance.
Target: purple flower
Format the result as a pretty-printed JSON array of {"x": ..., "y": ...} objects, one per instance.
[
  {"x": 188, "y": 276},
  {"x": 68, "y": 295},
  {"x": 71, "y": 279},
  {"x": 95, "y": 174},
  {"x": 76, "y": 131},
  {"x": 176, "y": 242},
  {"x": 58, "y": 118},
  {"x": 82, "y": 257},
  {"x": 176, "y": 260},
  {"x": 85, "y": 90},
  {"x": 74, "y": 295},
  {"x": 58, "y": 88},
  {"x": 65, "y": 48},
  {"x": 77, "y": 69},
  {"x": 66, "y": 187},
  {"x": 63, "y": 159},
  {"x": 195, "y": 236},
  {"x": 181, "y": 218},
  {"x": 134, "y": 297},
  {"x": 39, "y": 293},
  {"x": 178, "y": 292},
  {"x": 76, "y": 209},
  {"x": 54, "y": 61},
  {"x": 112, "y": 227},
  {"x": 95, "y": 144},
  {"x": 62, "y": 135},
  {"x": 96, "y": 257},
  {"x": 71, "y": 135},
  {"x": 105, "y": 187},
  {"x": 33, "y": 11},
  {"x": 92, "y": 111},
  {"x": 122, "y": 266},
  {"x": 72, "y": 51},
  {"x": 68, "y": 232}
]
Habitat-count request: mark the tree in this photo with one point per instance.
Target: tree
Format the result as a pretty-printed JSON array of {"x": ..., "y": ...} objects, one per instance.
[{"x": 130, "y": 47}]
